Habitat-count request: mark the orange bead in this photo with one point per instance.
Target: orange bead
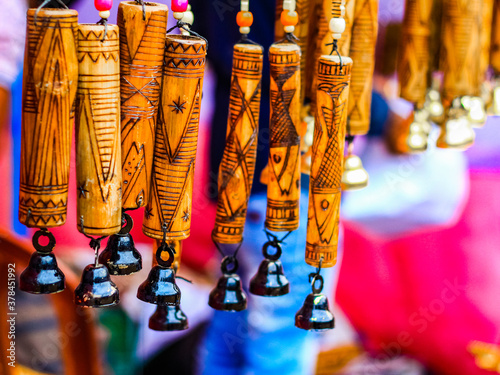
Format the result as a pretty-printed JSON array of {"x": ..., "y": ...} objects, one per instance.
[
  {"x": 289, "y": 18},
  {"x": 244, "y": 19}
]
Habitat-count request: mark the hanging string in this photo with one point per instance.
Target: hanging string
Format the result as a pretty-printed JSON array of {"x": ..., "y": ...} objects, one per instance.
[
  {"x": 141, "y": 2},
  {"x": 335, "y": 48},
  {"x": 95, "y": 243},
  {"x": 316, "y": 276},
  {"x": 246, "y": 40},
  {"x": 273, "y": 240},
  {"x": 289, "y": 38},
  {"x": 181, "y": 26},
  {"x": 60, "y": 2},
  {"x": 103, "y": 21},
  {"x": 222, "y": 253}
]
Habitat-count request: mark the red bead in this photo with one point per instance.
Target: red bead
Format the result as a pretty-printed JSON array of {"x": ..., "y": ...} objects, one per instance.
[
  {"x": 103, "y": 5},
  {"x": 179, "y": 5}
]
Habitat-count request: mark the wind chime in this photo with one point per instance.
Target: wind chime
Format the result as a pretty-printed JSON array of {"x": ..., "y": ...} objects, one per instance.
[
  {"x": 49, "y": 92},
  {"x": 167, "y": 216},
  {"x": 332, "y": 94},
  {"x": 495, "y": 57},
  {"x": 98, "y": 151},
  {"x": 142, "y": 39},
  {"x": 362, "y": 52},
  {"x": 237, "y": 167}
]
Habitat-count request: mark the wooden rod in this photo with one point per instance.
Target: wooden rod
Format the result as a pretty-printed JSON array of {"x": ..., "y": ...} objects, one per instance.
[
  {"x": 495, "y": 39},
  {"x": 142, "y": 43},
  {"x": 283, "y": 188},
  {"x": 237, "y": 168},
  {"x": 98, "y": 152},
  {"x": 327, "y": 160},
  {"x": 169, "y": 206},
  {"x": 49, "y": 92}
]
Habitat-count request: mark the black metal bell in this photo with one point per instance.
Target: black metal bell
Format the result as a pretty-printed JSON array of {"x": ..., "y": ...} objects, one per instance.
[
  {"x": 120, "y": 255},
  {"x": 315, "y": 315},
  {"x": 228, "y": 294},
  {"x": 160, "y": 287},
  {"x": 96, "y": 288},
  {"x": 42, "y": 276},
  {"x": 168, "y": 318},
  {"x": 270, "y": 281}
]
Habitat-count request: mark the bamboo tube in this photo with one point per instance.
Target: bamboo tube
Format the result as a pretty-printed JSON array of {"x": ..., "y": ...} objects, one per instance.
[
  {"x": 304, "y": 11},
  {"x": 495, "y": 39},
  {"x": 283, "y": 188},
  {"x": 460, "y": 48},
  {"x": 414, "y": 58},
  {"x": 142, "y": 43},
  {"x": 327, "y": 160},
  {"x": 238, "y": 162},
  {"x": 174, "y": 158},
  {"x": 98, "y": 153},
  {"x": 49, "y": 91},
  {"x": 362, "y": 53},
  {"x": 485, "y": 34}
]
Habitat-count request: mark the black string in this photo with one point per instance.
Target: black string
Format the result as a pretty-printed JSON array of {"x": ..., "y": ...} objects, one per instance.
[
  {"x": 335, "y": 48},
  {"x": 290, "y": 38},
  {"x": 246, "y": 40},
  {"x": 180, "y": 25},
  {"x": 141, "y": 2},
  {"x": 95, "y": 243},
  {"x": 183, "y": 278},
  {"x": 273, "y": 240},
  {"x": 104, "y": 21},
  {"x": 60, "y": 2},
  {"x": 349, "y": 139},
  {"x": 222, "y": 253}
]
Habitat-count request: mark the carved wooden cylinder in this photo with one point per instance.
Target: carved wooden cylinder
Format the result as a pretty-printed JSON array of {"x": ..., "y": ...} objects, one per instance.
[
  {"x": 49, "y": 91},
  {"x": 142, "y": 43},
  {"x": 495, "y": 39},
  {"x": 283, "y": 188},
  {"x": 327, "y": 160},
  {"x": 460, "y": 48},
  {"x": 362, "y": 53},
  {"x": 237, "y": 168},
  {"x": 485, "y": 31},
  {"x": 170, "y": 200},
  {"x": 414, "y": 58},
  {"x": 98, "y": 152}
]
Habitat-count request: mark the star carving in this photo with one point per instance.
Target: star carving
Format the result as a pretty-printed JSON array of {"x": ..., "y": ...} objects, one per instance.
[
  {"x": 148, "y": 213},
  {"x": 82, "y": 191},
  {"x": 186, "y": 215},
  {"x": 177, "y": 106}
]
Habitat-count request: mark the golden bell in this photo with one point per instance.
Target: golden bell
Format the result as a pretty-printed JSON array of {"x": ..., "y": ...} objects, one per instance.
[
  {"x": 417, "y": 138},
  {"x": 476, "y": 109},
  {"x": 434, "y": 106},
  {"x": 457, "y": 132},
  {"x": 355, "y": 176},
  {"x": 495, "y": 105}
]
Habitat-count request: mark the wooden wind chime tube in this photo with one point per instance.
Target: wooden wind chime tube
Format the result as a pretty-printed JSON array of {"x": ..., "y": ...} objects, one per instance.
[
  {"x": 495, "y": 39},
  {"x": 414, "y": 57},
  {"x": 362, "y": 52},
  {"x": 169, "y": 206},
  {"x": 485, "y": 29},
  {"x": 237, "y": 167},
  {"x": 460, "y": 48},
  {"x": 98, "y": 152},
  {"x": 49, "y": 92},
  {"x": 142, "y": 43},
  {"x": 283, "y": 188},
  {"x": 334, "y": 75}
]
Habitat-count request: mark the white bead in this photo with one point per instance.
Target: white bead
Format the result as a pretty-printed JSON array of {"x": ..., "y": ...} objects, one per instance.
[
  {"x": 104, "y": 14},
  {"x": 245, "y": 30},
  {"x": 342, "y": 10},
  {"x": 188, "y": 18},
  {"x": 337, "y": 25},
  {"x": 244, "y": 6},
  {"x": 336, "y": 36},
  {"x": 178, "y": 15},
  {"x": 289, "y": 29}
]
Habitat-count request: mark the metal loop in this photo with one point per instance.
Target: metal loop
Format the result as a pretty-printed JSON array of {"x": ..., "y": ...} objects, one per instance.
[
  {"x": 276, "y": 255},
  {"x": 317, "y": 277},
  {"x": 127, "y": 224},
  {"x": 165, "y": 248},
  {"x": 227, "y": 261},
  {"x": 43, "y": 248}
]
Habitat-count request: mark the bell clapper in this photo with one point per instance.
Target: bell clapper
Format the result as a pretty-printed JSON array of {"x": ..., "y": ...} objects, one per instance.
[
  {"x": 315, "y": 314},
  {"x": 354, "y": 176},
  {"x": 270, "y": 280}
]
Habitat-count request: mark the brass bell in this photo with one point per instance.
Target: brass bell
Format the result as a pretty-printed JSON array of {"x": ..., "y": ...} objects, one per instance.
[
  {"x": 315, "y": 315},
  {"x": 417, "y": 138},
  {"x": 168, "y": 318},
  {"x": 120, "y": 255},
  {"x": 456, "y": 132},
  {"x": 270, "y": 281},
  {"x": 495, "y": 105},
  {"x": 476, "y": 110},
  {"x": 433, "y": 104},
  {"x": 160, "y": 287},
  {"x": 96, "y": 288},
  {"x": 228, "y": 295},
  {"x": 42, "y": 276},
  {"x": 354, "y": 176}
]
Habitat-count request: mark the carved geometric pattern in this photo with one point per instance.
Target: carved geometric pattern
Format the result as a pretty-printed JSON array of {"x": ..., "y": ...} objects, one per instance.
[{"x": 49, "y": 93}]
